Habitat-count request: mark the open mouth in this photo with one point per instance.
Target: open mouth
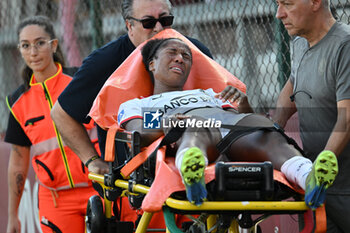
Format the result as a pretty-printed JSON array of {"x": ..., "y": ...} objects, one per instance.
[{"x": 177, "y": 69}]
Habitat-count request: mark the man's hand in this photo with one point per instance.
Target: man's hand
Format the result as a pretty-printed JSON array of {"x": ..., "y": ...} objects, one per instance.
[{"x": 98, "y": 166}]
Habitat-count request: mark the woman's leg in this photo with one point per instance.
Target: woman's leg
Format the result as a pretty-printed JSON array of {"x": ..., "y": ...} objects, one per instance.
[
  {"x": 194, "y": 149},
  {"x": 261, "y": 145},
  {"x": 205, "y": 139}
]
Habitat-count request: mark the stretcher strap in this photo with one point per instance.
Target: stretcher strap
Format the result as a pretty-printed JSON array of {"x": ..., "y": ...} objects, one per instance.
[
  {"x": 150, "y": 152},
  {"x": 110, "y": 145},
  {"x": 321, "y": 220},
  {"x": 315, "y": 221},
  {"x": 309, "y": 223},
  {"x": 237, "y": 132},
  {"x": 140, "y": 158}
]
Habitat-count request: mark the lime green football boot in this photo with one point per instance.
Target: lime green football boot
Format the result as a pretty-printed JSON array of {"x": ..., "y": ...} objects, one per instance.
[
  {"x": 192, "y": 171},
  {"x": 324, "y": 170}
]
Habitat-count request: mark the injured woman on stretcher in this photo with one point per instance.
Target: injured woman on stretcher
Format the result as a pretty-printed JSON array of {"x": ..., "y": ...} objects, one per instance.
[{"x": 201, "y": 113}]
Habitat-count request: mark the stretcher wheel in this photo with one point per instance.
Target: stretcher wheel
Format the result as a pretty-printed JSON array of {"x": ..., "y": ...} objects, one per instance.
[{"x": 95, "y": 219}]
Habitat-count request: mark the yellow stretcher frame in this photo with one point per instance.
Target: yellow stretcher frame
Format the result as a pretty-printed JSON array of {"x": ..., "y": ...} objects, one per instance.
[{"x": 268, "y": 206}]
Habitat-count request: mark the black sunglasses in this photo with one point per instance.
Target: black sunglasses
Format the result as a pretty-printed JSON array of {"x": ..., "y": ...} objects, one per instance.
[{"x": 150, "y": 23}]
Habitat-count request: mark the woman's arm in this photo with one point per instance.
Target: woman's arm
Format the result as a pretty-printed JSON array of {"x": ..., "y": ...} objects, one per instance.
[
  {"x": 17, "y": 174},
  {"x": 232, "y": 94}
]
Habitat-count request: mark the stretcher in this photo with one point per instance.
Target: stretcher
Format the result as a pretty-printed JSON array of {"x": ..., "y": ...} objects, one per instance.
[
  {"x": 153, "y": 187},
  {"x": 241, "y": 195}
]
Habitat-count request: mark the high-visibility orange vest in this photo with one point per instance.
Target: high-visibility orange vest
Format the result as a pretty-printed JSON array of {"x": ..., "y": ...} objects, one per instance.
[{"x": 55, "y": 165}]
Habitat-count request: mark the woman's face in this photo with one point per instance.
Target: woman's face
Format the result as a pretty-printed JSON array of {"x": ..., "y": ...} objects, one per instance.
[
  {"x": 36, "y": 47},
  {"x": 172, "y": 64}
]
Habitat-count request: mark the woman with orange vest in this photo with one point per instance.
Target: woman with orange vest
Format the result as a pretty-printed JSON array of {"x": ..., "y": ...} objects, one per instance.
[{"x": 64, "y": 186}]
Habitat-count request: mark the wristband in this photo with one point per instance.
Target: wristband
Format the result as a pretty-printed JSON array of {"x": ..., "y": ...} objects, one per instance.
[{"x": 91, "y": 159}]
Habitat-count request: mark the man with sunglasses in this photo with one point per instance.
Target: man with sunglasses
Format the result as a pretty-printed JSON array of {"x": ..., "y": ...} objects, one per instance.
[
  {"x": 143, "y": 19},
  {"x": 150, "y": 23}
]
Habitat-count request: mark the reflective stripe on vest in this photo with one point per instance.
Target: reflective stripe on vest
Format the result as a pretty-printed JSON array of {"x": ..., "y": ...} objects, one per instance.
[{"x": 52, "y": 144}]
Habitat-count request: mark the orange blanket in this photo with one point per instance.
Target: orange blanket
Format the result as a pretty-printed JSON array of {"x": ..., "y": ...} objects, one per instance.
[{"x": 131, "y": 80}]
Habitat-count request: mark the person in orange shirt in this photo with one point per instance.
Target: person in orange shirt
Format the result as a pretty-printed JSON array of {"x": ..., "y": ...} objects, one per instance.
[{"x": 64, "y": 185}]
